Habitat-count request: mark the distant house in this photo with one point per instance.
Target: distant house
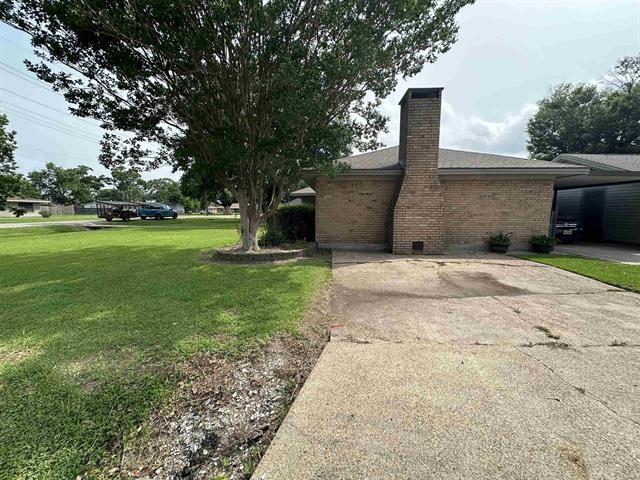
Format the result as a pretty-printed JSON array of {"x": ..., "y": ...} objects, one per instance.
[
  {"x": 606, "y": 201},
  {"x": 304, "y": 196},
  {"x": 31, "y": 205},
  {"x": 217, "y": 209}
]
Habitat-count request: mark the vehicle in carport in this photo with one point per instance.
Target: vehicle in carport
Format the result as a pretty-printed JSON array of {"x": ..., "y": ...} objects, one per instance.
[
  {"x": 567, "y": 229},
  {"x": 111, "y": 209},
  {"x": 157, "y": 211}
]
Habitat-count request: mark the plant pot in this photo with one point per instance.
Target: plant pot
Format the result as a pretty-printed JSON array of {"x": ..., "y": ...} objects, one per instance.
[
  {"x": 499, "y": 247},
  {"x": 541, "y": 248}
]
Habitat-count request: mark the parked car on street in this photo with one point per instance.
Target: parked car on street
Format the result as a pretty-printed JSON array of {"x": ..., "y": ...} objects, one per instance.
[
  {"x": 567, "y": 230},
  {"x": 157, "y": 211}
]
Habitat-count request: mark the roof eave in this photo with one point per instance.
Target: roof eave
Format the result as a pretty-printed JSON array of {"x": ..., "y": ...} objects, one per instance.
[
  {"x": 371, "y": 172},
  {"x": 537, "y": 171},
  {"x": 510, "y": 171},
  {"x": 565, "y": 158}
]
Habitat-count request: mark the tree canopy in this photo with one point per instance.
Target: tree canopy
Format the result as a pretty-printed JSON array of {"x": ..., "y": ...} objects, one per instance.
[
  {"x": 164, "y": 190},
  {"x": 258, "y": 90},
  {"x": 585, "y": 118},
  {"x": 66, "y": 186},
  {"x": 125, "y": 185},
  {"x": 9, "y": 177},
  {"x": 199, "y": 183}
]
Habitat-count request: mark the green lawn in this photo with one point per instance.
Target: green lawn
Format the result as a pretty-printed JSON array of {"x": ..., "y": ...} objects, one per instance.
[
  {"x": 54, "y": 218},
  {"x": 617, "y": 274},
  {"x": 91, "y": 322}
]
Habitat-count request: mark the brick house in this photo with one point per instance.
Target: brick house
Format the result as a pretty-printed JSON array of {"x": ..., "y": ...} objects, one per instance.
[{"x": 418, "y": 198}]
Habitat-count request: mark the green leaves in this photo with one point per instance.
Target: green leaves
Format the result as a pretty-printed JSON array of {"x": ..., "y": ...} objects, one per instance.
[
  {"x": 66, "y": 186},
  {"x": 583, "y": 118}
]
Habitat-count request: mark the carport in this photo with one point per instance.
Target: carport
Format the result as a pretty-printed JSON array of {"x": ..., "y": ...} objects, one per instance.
[{"x": 605, "y": 202}]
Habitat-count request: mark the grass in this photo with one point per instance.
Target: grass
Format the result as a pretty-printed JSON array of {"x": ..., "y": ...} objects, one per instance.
[
  {"x": 53, "y": 218},
  {"x": 92, "y": 322},
  {"x": 616, "y": 274}
]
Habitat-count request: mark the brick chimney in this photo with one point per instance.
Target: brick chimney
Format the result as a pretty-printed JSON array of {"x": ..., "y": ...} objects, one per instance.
[{"x": 418, "y": 216}]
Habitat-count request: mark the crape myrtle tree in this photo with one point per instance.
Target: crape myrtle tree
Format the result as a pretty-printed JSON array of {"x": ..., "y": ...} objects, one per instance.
[{"x": 259, "y": 90}]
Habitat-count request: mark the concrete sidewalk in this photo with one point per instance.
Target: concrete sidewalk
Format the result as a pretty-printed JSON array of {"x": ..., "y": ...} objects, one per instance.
[{"x": 464, "y": 368}]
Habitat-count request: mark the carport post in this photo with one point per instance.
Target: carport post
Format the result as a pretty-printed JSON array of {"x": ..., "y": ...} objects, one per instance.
[{"x": 552, "y": 221}]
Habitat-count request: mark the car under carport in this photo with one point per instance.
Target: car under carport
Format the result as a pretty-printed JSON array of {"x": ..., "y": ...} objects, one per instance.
[{"x": 605, "y": 202}]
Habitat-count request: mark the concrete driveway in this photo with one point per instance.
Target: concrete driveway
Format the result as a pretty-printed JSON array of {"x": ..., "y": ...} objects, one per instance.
[
  {"x": 629, "y": 255},
  {"x": 467, "y": 368}
]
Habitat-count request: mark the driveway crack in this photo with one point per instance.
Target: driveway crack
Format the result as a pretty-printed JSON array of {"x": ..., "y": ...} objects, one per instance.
[{"x": 579, "y": 389}]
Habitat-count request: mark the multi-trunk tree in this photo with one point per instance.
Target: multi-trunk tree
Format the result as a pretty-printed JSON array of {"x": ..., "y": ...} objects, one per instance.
[{"x": 258, "y": 90}]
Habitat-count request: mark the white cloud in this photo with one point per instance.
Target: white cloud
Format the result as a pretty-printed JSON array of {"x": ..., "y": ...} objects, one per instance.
[{"x": 506, "y": 136}]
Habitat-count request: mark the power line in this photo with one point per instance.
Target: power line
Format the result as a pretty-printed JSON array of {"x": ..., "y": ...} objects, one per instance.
[
  {"x": 54, "y": 127},
  {"x": 26, "y": 78},
  {"x": 16, "y": 44},
  {"x": 45, "y": 121},
  {"x": 48, "y": 152},
  {"x": 47, "y": 106},
  {"x": 30, "y": 158},
  {"x": 39, "y": 116}
]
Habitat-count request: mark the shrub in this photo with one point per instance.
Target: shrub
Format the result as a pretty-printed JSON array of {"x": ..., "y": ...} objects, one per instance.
[
  {"x": 270, "y": 237},
  {"x": 45, "y": 213},
  {"x": 290, "y": 223},
  {"x": 500, "y": 238},
  {"x": 543, "y": 240},
  {"x": 18, "y": 212}
]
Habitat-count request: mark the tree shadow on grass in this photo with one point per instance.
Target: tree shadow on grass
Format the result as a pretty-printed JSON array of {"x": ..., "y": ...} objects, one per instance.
[{"x": 100, "y": 328}]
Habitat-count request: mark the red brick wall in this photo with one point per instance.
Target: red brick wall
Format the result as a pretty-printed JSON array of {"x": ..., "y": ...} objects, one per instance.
[
  {"x": 474, "y": 208},
  {"x": 354, "y": 210}
]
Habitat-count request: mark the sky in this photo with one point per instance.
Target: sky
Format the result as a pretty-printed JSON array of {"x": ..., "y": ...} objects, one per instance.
[{"x": 508, "y": 54}]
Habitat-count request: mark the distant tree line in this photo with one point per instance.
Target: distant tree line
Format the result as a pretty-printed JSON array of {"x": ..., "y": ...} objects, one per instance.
[
  {"x": 590, "y": 118},
  {"x": 78, "y": 185}
]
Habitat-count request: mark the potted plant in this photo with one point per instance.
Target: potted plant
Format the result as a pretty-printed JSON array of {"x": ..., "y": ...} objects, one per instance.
[
  {"x": 542, "y": 243},
  {"x": 499, "y": 242}
]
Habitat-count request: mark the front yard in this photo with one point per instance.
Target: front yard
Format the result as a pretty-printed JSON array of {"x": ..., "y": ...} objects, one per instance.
[
  {"x": 94, "y": 325},
  {"x": 616, "y": 274}
]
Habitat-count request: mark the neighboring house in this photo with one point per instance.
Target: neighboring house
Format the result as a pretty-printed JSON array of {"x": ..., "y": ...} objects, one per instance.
[
  {"x": 216, "y": 208},
  {"x": 304, "y": 196},
  {"x": 418, "y": 198},
  {"x": 607, "y": 201},
  {"x": 31, "y": 205}
]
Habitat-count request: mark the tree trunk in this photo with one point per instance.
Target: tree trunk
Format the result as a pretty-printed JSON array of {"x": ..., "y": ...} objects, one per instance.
[{"x": 250, "y": 220}]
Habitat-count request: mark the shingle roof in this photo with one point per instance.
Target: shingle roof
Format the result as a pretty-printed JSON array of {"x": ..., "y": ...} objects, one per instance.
[
  {"x": 387, "y": 159},
  {"x": 27, "y": 200},
  {"x": 605, "y": 161},
  {"x": 303, "y": 192},
  {"x": 384, "y": 159}
]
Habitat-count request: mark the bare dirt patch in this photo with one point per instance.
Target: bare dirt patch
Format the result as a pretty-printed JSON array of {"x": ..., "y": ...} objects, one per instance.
[{"x": 225, "y": 412}]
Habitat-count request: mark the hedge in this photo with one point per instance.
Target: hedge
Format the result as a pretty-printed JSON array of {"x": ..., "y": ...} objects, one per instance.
[{"x": 291, "y": 223}]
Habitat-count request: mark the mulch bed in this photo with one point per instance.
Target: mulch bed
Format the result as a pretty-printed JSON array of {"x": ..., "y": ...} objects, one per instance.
[{"x": 226, "y": 411}]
